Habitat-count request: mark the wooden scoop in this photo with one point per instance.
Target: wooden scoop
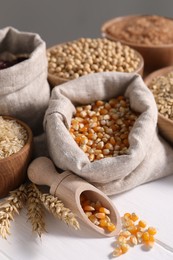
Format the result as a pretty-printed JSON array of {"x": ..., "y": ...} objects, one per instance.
[{"x": 69, "y": 187}]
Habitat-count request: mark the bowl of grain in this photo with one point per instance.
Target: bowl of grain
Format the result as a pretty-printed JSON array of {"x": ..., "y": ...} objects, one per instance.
[
  {"x": 151, "y": 35},
  {"x": 160, "y": 82},
  {"x": 15, "y": 153},
  {"x": 74, "y": 59}
]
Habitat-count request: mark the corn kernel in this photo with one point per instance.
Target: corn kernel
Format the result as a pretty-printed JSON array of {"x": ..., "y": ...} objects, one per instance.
[
  {"x": 113, "y": 102},
  {"x": 108, "y": 219},
  {"x": 104, "y": 210},
  {"x": 134, "y": 217},
  {"x": 117, "y": 251},
  {"x": 133, "y": 240},
  {"x": 94, "y": 118},
  {"x": 96, "y": 152},
  {"x": 94, "y": 220},
  {"x": 132, "y": 229},
  {"x": 83, "y": 114},
  {"x": 99, "y": 156},
  {"x": 83, "y": 147},
  {"x": 79, "y": 109},
  {"x": 128, "y": 223},
  {"x": 91, "y": 157},
  {"x": 100, "y": 215},
  {"x": 88, "y": 214},
  {"x": 127, "y": 216},
  {"x": 112, "y": 141},
  {"x": 152, "y": 230},
  {"x": 124, "y": 248},
  {"x": 111, "y": 227},
  {"x": 106, "y": 151},
  {"x": 122, "y": 239},
  {"x": 109, "y": 146},
  {"x": 103, "y": 111},
  {"x": 100, "y": 145},
  {"x": 103, "y": 222},
  {"x": 139, "y": 234},
  {"x": 88, "y": 208},
  {"x": 99, "y": 103},
  {"x": 145, "y": 236},
  {"x": 90, "y": 142},
  {"x": 140, "y": 229},
  {"x": 125, "y": 233},
  {"x": 151, "y": 238},
  {"x": 142, "y": 224}
]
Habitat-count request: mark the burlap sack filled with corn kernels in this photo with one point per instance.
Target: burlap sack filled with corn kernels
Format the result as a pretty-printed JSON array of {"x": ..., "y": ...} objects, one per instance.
[
  {"x": 149, "y": 156},
  {"x": 24, "y": 90}
]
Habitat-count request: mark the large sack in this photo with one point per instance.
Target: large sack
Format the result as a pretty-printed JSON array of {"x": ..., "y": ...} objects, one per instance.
[
  {"x": 24, "y": 90},
  {"x": 149, "y": 156}
]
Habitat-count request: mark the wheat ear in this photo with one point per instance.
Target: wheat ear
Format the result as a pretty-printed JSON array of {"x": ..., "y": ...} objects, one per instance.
[
  {"x": 57, "y": 208},
  {"x": 35, "y": 210},
  {"x": 9, "y": 207}
]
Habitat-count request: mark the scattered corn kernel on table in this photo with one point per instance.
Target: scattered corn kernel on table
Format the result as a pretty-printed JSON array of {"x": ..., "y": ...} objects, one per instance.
[{"x": 152, "y": 202}]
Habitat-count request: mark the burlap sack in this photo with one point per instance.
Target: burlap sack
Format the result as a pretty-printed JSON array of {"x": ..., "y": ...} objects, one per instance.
[
  {"x": 24, "y": 90},
  {"x": 149, "y": 156}
]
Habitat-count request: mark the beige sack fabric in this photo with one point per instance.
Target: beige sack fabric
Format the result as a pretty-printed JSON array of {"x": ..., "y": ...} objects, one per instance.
[
  {"x": 149, "y": 157},
  {"x": 24, "y": 90}
]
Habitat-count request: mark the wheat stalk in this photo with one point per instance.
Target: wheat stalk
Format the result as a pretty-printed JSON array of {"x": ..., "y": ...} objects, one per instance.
[
  {"x": 35, "y": 210},
  {"x": 9, "y": 207}
]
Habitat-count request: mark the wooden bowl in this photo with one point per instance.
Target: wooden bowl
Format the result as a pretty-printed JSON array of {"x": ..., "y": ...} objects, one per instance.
[
  {"x": 165, "y": 125},
  {"x": 55, "y": 80},
  {"x": 13, "y": 168},
  {"x": 155, "y": 56}
]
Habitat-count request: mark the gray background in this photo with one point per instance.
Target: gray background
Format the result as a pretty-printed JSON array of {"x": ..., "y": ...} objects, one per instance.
[{"x": 64, "y": 20}]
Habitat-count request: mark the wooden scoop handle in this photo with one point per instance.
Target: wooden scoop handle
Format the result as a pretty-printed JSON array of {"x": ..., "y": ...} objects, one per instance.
[{"x": 42, "y": 171}]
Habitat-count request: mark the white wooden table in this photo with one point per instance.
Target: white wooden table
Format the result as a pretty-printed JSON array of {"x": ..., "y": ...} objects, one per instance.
[{"x": 153, "y": 202}]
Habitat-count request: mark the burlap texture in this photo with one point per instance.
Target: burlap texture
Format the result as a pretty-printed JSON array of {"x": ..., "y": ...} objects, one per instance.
[
  {"x": 149, "y": 157},
  {"x": 24, "y": 90}
]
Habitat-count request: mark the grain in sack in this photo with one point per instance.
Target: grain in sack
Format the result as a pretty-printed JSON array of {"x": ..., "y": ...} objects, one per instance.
[{"x": 148, "y": 156}]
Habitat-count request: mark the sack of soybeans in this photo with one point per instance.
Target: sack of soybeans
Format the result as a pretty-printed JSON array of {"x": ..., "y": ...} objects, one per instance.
[
  {"x": 103, "y": 127},
  {"x": 24, "y": 90}
]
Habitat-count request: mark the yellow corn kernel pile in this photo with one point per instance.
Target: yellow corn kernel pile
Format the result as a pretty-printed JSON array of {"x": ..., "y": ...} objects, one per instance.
[
  {"x": 97, "y": 214},
  {"x": 101, "y": 129},
  {"x": 134, "y": 232}
]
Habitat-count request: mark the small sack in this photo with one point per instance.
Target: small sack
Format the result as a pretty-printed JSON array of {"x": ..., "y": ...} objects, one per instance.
[
  {"x": 24, "y": 90},
  {"x": 149, "y": 156}
]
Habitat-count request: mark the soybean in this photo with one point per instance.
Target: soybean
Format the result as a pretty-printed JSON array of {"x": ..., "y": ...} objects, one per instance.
[{"x": 81, "y": 57}]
